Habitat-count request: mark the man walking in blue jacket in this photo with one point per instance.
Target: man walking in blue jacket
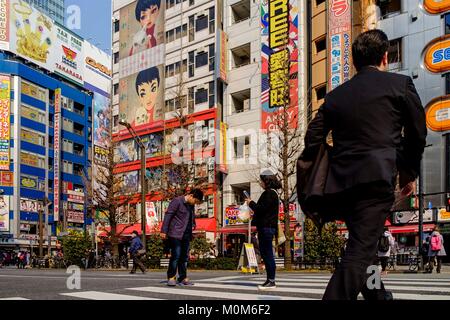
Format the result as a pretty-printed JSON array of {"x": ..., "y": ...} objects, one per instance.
[
  {"x": 179, "y": 221},
  {"x": 136, "y": 246}
]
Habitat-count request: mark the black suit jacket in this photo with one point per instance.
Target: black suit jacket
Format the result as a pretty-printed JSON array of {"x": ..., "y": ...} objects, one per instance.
[{"x": 378, "y": 128}]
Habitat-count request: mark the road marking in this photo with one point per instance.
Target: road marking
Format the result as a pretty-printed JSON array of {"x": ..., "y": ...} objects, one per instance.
[
  {"x": 220, "y": 278},
  {"x": 255, "y": 289},
  {"x": 14, "y": 298},
  {"x": 97, "y": 295},
  {"x": 385, "y": 281},
  {"x": 212, "y": 294},
  {"x": 313, "y": 284}
]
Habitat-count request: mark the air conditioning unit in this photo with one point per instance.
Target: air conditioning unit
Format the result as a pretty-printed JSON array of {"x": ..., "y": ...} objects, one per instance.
[{"x": 247, "y": 104}]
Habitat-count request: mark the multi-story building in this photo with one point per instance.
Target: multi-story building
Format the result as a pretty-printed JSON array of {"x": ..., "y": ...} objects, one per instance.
[
  {"x": 53, "y": 8},
  {"x": 179, "y": 62},
  {"x": 47, "y": 98},
  {"x": 215, "y": 56}
]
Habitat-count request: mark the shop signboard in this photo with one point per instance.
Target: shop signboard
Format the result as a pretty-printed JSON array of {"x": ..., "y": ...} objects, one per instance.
[
  {"x": 4, "y": 25},
  {"x": 6, "y": 178},
  {"x": 436, "y": 6},
  {"x": 404, "y": 217},
  {"x": 57, "y": 155},
  {"x": 436, "y": 55},
  {"x": 75, "y": 216},
  {"x": 438, "y": 114},
  {"x": 5, "y": 111},
  {"x": 443, "y": 215},
  {"x": 4, "y": 213}
]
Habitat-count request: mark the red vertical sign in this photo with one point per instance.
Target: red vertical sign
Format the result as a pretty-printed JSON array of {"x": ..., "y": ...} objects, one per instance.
[{"x": 57, "y": 158}]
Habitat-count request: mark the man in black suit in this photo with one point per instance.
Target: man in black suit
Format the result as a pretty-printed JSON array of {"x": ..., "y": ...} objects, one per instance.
[{"x": 378, "y": 128}]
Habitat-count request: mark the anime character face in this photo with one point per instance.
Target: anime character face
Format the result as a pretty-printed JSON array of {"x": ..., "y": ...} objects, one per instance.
[
  {"x": 148, "y": 17},
  {"x": 148, "y": 93}
]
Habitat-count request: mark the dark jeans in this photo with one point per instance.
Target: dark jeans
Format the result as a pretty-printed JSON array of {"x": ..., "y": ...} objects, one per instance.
[
  {"x": 265, "y": 238},
  {"x": 179, "y": 256},
  {"x": 435, "y": 260},
  {"x": 365, "y": 209},
  {"x": 384, "y": 262},
  {"x": 137, "y": 262}
]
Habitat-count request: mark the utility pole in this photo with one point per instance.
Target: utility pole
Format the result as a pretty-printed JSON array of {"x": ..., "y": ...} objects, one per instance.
[
  {"x": 46, "y": 203},
  {"x": 143, "y": 180}
]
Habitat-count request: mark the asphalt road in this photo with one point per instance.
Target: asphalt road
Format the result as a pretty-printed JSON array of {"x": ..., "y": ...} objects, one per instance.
[{"x": 36, "y": 284}]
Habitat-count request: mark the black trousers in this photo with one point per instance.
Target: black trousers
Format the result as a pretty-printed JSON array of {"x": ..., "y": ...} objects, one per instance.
[
  {"x": 137, "y": 262},
  {"x": 365, "y": 209}
]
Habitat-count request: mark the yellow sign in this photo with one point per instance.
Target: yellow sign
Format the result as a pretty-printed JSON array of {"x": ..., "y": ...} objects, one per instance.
[
  {"x": 443, "y": 215},
  {"x": 5, "y": 113},
  {"x": 29, "y": 159},
  {"x": 436, "y": 6},
  {"x": 437, "y": 55},
  {"x": 438, "y": 114},
  {"x": 31, "y": 137}
]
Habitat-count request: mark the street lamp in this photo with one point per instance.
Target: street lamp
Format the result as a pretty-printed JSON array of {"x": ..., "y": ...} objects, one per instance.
[
  {"x": 421, "y": 207},
  {"x": 143, "y": 185}
]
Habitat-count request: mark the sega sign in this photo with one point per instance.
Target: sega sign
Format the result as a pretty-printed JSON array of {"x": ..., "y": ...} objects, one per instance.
[
  {"x": 437, "y": 55},
  {"x": 438, "y": 114},
  {"x": 436, "y": 6}
]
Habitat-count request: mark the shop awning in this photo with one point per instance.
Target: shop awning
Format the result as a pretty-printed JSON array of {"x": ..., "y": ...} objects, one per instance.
[
  {"x": 241, "y": 229},
  {"x": 411, "y": 228},
  {"x": 208, "y": 225}
]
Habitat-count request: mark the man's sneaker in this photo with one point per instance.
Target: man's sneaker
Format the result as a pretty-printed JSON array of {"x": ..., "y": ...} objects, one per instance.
[
  {"x": 185, "y": 282},
  {"x": 172, "y": 282},
  {"x": 267, "y": 285}
]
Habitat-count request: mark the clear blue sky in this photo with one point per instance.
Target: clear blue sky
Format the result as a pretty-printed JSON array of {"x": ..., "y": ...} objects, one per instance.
[{"x": 95, "y": 21}]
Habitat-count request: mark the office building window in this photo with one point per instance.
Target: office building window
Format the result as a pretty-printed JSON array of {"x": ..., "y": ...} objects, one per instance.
[
  {"x": 240, "y": 11},
  {"x": 201, "y": 96},
  {"x": 212, "y": 15},
  {"x": 116, "y": 57},
  {"x": 320, "y": 92},
  {"x": 116, "y": 88},
  {"x": 191, "y": 28},
  {"x": 211, "y": 57},
  {"x": 211, "y": 96},
  {"x": 67, "y": 125},
  {"x": 395, "y": 54},
  {"x": 116, "y": 26},
  {"x": 191, "y": 57},
  {"x": 67, "y": 146},
  {"x": 241, "y": 147},
  {"x": 447, "y": 23},
  {"x": 191, "y": 99},
  {"x": 201, "y": 23},
  {"x": 321, "y": 45},
  {"x": 201, "y": 59},
  {"x": 389, "y": 8},
  {"x": 67, "y": 167}
]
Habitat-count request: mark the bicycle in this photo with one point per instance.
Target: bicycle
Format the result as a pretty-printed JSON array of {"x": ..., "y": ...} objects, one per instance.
[{"x": 413, "y": 262}]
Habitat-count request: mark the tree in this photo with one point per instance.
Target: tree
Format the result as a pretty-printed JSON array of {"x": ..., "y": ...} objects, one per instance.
[
  {"x": 109, "y": 193},
  {"x": 75, "y": 246}
]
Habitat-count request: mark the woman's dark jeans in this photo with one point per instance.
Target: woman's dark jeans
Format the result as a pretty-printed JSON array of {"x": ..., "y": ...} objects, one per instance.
[{"x": 265, "y": 238}]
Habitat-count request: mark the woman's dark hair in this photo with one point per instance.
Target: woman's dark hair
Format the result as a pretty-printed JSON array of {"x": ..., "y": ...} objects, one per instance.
[
  {"x": 197, "y": 194},
  {"x": 144, "y": 5},
  {"x": 270, "y": 181},
  {"x": 147, "y": 76},
  {"x": 369, "y": 48}
]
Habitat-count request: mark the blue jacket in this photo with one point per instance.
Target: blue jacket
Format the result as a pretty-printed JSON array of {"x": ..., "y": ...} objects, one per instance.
[
  {"x": 136, "y": 244},
  {"x": 177, "y": 218}
]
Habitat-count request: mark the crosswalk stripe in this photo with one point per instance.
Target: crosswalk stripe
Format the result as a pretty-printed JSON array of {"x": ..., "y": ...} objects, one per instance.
[
  {"x": 397, "y": 296},
  {"x": 98, "y": 295},
  {"x": 385, "y": 281},
  {"x": 253, "y": 288},
  {"x": 384, "y": 278},
  {"x": 211, "y": 294},
  {"x": 14, "y": 298},
  {"x": 323, "y": 285}
]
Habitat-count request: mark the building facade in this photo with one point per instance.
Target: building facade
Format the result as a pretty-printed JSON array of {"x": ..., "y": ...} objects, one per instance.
[
  {"x": 55, "y": 9},
  {"x": 48, "y": 96}
]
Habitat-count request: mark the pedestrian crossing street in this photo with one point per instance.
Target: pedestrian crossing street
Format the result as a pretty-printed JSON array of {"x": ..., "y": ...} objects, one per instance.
[{"x": 244, "y": 287}]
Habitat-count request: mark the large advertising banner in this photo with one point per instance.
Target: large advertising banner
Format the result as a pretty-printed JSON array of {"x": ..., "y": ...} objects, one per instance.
[
  {"x": 141, "y": 36},
  {"x": 4, "y": 213},
  {"x": 97, "y": 68},
  {"x": 4, "y": 25},
  {"x": 141, "y": 98},
  {"x": 102, "y": 121},
  {"x": 279, "y": 58},
  {"x": 340, "y": 42},
  {"x": 34, "y": 91},
  {"x": 5, "y": 110},
  {"x": 57, "y": 150},
  {"x": 32, "y": 34},
  {"x": 69, "y": 55},
  {"x": 129, "y": 182}
]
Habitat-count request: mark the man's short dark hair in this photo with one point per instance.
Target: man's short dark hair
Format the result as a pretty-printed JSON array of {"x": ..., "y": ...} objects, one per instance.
[
  {"x": 369, "y": 48},
  {"x": 135, "y": 232},
  {"x": 143, "y": 5},
  {"x": 197, "y": 194},
  {"x": 147, "y": 76}
]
